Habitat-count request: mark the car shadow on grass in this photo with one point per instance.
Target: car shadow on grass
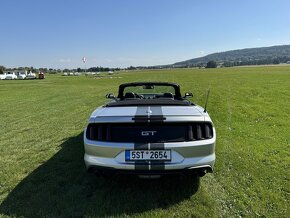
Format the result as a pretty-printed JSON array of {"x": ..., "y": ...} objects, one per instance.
[{"x": 61, "y": 187}]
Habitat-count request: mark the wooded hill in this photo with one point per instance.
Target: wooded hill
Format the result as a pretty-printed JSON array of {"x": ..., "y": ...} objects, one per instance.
[{"x": 248, "y": 56}]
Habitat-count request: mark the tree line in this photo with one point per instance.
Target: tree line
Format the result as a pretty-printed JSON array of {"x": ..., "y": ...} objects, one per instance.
[
  {"x": 209, "y": 64},
  {"x": 55, "y": 70}
]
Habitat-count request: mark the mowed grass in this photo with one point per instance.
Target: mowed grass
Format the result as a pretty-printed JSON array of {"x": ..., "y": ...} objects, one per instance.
[{"x": 42, "y": 173}]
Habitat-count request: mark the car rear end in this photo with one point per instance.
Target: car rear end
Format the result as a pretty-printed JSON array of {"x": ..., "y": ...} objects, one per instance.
[
  {"x": 41, "y": 75},
  {"x": 10, "y": 76},
  {"x": 169, "y": 140},
  {"x": 2, "y": 76}
]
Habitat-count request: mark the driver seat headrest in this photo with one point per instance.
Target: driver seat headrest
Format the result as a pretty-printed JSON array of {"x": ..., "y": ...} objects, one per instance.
[
  {"x": 168, "y": 95},
  {"x": 129, "y": 95}
]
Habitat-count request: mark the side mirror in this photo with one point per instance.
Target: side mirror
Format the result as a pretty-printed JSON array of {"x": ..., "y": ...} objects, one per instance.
[
  {"x": 110, "y": 96},
  {"x": 188, "y": 95}
]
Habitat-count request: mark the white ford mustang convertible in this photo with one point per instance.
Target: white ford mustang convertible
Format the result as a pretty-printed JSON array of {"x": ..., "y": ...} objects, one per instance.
[{"x": 150, "y": 129}]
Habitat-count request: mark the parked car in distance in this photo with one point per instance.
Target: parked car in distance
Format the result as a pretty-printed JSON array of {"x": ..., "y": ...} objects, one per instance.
[
  {"x": 21, "y": 74},
  {"x": 31, "y": 75},
  {"x": 41, "y": 75},
  {"x": 10, "y": 76},
  {"x": 2, "y": 76}
]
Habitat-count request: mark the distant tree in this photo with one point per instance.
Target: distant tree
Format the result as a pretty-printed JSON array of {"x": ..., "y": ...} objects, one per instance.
[
  {"x": 211, "y": 64},
  {"x": 200, "y": 65},
  {"x": 229, "y": 64},
  {"x": 276, "y": 61},
  {"x": 131, "y": 68},
  {"x": 43, "y": 69},
  {"x": 2, "y": 68},
  {"x": 93, "y": 69},
  {"x": 33, "y": 70}
]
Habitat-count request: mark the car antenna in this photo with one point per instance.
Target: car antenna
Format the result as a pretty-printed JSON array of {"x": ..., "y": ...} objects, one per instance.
[{"x": 206, "y": 100}]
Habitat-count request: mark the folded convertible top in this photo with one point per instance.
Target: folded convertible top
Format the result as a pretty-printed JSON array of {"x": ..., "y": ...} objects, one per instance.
[{"x": 149, "y": 102}]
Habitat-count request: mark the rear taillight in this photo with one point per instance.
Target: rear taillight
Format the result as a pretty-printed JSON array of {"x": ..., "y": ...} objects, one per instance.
[
  {"x": 200, "y": 131},
  {"x": 100, "y": 132}
]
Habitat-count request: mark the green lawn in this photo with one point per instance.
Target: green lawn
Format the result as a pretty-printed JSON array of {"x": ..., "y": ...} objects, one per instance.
[{"x": 42, "y": 173}]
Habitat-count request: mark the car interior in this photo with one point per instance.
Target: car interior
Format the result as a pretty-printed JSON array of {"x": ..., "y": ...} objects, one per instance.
[{"x": 132, "y": 95}]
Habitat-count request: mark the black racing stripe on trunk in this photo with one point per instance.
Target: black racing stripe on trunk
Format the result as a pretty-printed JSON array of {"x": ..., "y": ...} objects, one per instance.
[
  {"x": 157, "y": 146},
  {"x": 141, "y": 111},
  {"x": 146, "y": 119},
  {"x": 140, "y": 119},
  {"x": 141, "y": 146},
  {"x": 141, "y": 165},
  {"x": 156, "y": 110},
  {"x": 157, "y": 115},
  {"x": 141, "y": 116},
  {"x": 158, "y": 164}
]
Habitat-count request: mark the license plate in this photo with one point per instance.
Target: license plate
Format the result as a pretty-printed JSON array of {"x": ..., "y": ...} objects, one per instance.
[{"x": 148, "y": 155}]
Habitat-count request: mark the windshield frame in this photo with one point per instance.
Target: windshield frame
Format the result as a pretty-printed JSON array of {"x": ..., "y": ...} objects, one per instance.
[{"x": 174, "y": 85}]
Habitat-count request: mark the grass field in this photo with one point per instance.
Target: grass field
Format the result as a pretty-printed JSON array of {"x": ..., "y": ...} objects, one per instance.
[{"x": 42, "y": 173}]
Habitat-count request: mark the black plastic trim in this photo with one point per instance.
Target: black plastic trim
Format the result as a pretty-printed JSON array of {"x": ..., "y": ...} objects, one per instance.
[
  {"x": 194, "y": 131},
  {"x": 110, "y": 171}
]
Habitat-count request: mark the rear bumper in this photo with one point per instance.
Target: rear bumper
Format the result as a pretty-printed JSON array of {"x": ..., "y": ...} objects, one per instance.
[
  {"x": 187, "y": 157},
  {"x": 109, "y": 171},
  {"x": 186, "y": 163}
]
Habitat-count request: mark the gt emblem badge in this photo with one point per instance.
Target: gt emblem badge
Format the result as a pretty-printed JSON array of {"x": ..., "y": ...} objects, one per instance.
[{"x": 148, "y": 133}]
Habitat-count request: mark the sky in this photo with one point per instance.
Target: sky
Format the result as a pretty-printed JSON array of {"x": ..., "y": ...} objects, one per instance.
[{"x": 121, "y": 33}]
